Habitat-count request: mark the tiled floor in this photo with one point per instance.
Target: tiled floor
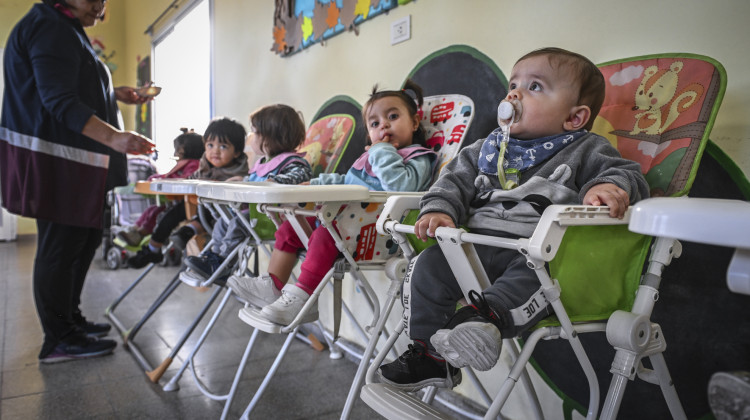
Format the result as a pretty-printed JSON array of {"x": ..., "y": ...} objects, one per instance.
[{"x": 308, "y": 385}]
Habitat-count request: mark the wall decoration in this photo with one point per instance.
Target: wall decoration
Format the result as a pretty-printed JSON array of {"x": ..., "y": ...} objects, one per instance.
[
  {"x": 106, "y": 58},
  {"x": 143, "y": 113},
  {"x": 299, "y": 24}
]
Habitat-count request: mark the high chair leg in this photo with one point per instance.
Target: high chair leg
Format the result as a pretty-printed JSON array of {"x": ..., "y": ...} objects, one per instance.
[
  {"x": 173, "y": 384},
  {"x": 238, "y": 375},
  {"x": 156, "y": 374},
  {"x": 269, "y": 375}
]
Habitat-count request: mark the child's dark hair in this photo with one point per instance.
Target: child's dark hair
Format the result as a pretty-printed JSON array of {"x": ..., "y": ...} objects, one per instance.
[
  {"x": 280, "y": 128},
  {"x": 226, "y": 130},
  {"x": 412, "y": 104},
  {"x": 591, "y": 90},
  {"x": 191, "y": 143}
]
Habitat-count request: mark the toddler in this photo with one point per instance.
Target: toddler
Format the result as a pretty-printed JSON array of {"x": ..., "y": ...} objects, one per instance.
[
  {"x": 276, "y": 131},
  {"x": 188, "y": 149},
  {"x": 224, "y": 141},
  {"x": 396, "y": 161},
  {"x": 502, "y": 189}
]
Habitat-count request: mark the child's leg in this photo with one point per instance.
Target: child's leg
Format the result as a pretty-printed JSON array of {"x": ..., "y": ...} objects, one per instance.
[
  {"x": 265, "y": 289},
  {"x": 321, "y": 254},
  {"x": 509, "y": 306},
  {"x": 151, "y": 252}
]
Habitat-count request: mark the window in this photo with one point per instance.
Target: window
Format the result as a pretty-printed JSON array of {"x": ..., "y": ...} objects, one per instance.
[{"x": 181, "y": 57}]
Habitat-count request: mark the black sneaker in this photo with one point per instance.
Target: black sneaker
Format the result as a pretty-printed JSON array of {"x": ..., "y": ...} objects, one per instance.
[
  {"x": 205, "y": 264},
  {"x": 90, "y": 347},
  {"x": 181, "y": 237},
  {"x": 416, "y": 369},
  {"x": 472, "y": 336},
  {"x": 92, "y": 329},
  {"x": 144, "y": 257}
]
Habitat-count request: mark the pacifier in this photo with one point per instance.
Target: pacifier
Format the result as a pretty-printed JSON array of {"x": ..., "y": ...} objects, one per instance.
[{"x": 509, "y": 111}]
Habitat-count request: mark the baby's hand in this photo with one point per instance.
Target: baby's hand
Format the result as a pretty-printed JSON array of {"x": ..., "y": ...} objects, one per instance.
[
  {"x": 426, "y": 225},
  {"x": 608, "y": 195},
  {"x": 235, "y": 178}
]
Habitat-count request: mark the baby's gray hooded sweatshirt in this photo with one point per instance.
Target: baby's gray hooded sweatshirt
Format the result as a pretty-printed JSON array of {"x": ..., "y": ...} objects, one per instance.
[{"x": 476, "y": 200}]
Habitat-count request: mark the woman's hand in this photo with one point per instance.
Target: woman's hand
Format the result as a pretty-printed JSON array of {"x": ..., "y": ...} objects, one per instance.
[
  {"x": 132, "y": 143},
  {"x": 128, "y": 95}
]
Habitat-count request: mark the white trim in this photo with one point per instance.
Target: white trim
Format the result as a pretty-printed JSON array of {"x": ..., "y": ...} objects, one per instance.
[{"x": 70, "y": 153}]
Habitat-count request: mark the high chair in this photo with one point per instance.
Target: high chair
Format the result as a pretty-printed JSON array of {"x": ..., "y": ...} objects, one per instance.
[
  {"x": 658, "y": 111},
  {"x": 326, "y": 141},
  {"x": 354, "y": 209}
]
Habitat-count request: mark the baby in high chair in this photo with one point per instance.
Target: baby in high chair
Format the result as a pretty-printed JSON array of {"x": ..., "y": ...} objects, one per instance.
[
  {"x": 396, "y": 161},
  {"x": 276, "y": 131},
  {"x": 542, "y": 154}
]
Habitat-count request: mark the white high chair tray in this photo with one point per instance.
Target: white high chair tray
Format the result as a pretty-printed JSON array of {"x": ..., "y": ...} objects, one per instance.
[
  {"x": 271, "y": 192},
  {"x": 176, "y": 186},
  {"x": 704, "y": 220}
]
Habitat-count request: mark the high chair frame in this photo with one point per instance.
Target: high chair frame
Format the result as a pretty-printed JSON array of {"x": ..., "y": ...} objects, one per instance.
[
  {"x": 632, "y": 333},
  {"x": 284, "y": 201},
  {"x": 154, "y": 373},
  {"x": 669, "y": 153}
]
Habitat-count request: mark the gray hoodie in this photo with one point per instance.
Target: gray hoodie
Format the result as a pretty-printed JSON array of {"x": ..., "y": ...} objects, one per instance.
[{"x": 476, "y": 200}]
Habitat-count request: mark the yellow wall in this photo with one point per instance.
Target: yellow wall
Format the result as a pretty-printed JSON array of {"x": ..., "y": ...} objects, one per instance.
[{"x": 248, "y": 75}]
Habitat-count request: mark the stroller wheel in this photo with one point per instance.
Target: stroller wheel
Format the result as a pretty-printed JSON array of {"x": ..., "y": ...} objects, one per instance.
[{"x": 114, "y": 258}]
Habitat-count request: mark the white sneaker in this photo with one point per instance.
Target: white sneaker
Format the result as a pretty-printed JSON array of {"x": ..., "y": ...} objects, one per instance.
[
  {"x": 258, "y": 291},
  {"x": 475, "y": 344},
  {"x": 285, "y": 309}
]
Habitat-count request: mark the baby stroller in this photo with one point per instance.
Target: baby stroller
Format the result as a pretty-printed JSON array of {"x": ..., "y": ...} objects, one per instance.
[{"x": 125, "y": 207}]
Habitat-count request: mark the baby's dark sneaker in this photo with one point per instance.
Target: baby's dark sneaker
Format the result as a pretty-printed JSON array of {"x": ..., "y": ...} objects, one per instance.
[
  {"x": 181, "y": 237},
  {"x": 472, "y": 336},
  {"x": 205, "y": 264},
  {"x": 416, "y": 369},
  {"x": 144, "y": 257}
]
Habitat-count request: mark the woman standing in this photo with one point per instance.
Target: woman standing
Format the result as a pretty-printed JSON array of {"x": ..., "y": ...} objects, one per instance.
[{"x": 61, "y": 149}]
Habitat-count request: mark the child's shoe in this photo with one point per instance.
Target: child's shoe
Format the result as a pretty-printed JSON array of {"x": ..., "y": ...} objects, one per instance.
[
  {"x": 144, "y": 257},
  {"x": 258, "y": 291},
  {"x": 284, "y": 309},
  {"x": 472, "y": 337},
  {"x": 130, "y": 236},
  {"x": 416, "y": 369},
  {"x": 205, "y": 265},
  {"x": 181, "y": 237},
  {"x": 729, "y": 395}
]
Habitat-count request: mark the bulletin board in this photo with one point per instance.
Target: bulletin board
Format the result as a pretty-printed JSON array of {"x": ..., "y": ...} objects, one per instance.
[{"x": 298, "y": 24}]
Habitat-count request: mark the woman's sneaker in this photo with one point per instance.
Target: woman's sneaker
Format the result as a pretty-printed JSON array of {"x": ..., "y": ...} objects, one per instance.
[
  {"x": 82, "y": 349},
  {"x": 284, "y": 309},
  {"x": 472, "y": 337},
  {"x": 416, "y": 369},
  {"x": 258, "y": 291}
]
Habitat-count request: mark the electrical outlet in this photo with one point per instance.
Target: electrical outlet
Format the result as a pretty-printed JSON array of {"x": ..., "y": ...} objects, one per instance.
[{"x": 401, "y": 30}]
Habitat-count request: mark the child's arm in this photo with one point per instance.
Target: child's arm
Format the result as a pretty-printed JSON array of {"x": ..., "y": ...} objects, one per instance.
[
  {"x": 328, "y": 179},
  {"x": 294, "y": 173},
  {"x": 395, "y": 174},
  {"x": 425, "y": 226}
]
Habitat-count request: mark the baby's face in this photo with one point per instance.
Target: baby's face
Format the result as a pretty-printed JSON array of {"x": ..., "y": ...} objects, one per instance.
[
  {"x": 389, "y": 120},
  {"x": 547, "y": 94},
  {"x": 220, "y": 154}
]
